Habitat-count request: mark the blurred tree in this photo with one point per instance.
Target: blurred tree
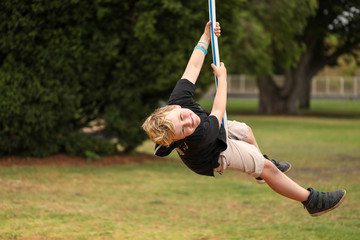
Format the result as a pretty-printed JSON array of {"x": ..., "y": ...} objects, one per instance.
[
  {"x": 267, "y": 45},
  {"x": 66, "y": 63},
  {"x": 332, "y": 35},
  {"x": 295, "y": 39}
]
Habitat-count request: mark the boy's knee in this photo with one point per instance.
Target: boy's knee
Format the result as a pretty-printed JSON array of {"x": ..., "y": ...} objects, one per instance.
[
  {"x": 250, "y": 135},
  {"x": 269, "y": 168},
  {"x": 249, "y": 129}
]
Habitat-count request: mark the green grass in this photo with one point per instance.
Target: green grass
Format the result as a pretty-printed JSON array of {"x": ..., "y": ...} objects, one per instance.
[
  {"x": 346, "y": 107},
  {"x": 168, "y": 201}
]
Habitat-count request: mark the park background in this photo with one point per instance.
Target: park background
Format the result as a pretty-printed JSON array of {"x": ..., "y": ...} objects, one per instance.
[{"x": 77, "y": 78}]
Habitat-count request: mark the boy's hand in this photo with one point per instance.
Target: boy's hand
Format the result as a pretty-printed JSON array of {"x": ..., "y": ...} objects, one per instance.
[
  {"x": 220, "y": 71},
  {"x": 219, "y": 104},
  {"x": 217, "y": 30}
]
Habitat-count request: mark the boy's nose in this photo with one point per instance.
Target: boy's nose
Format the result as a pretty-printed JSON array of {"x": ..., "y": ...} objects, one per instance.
[{"x": 188, "y": 121}]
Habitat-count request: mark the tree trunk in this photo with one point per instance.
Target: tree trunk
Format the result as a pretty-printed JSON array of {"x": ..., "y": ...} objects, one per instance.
[
  {"x": 283, "y": 99},
  {"x": 276, "y": 99},
  {"x": 307, "y": 71},
  {"x": 297, "y": 85},
  {"x": 305, "y": 93},
  {"x": 311, "y": 62}
]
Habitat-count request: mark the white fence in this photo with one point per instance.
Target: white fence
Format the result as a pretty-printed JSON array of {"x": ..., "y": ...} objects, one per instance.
[
  {"x": 242, "y": 85},
  {"x": 343, "y": 87},
  {"x": 336, "y": 86}
]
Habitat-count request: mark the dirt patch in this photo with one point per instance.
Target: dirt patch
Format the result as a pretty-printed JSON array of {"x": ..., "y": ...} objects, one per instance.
[{"x": 64, "y": 160}]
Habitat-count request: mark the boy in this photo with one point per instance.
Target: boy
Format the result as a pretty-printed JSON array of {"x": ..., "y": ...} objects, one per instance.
[{"x": 202, "y": 144}]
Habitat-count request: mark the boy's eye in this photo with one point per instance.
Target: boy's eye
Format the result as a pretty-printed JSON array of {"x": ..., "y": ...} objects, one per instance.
[{"x": 181, "y": 118}]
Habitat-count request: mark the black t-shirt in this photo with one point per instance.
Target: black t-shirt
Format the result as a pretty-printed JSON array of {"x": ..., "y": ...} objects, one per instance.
[{"x": 199, "y": 151}]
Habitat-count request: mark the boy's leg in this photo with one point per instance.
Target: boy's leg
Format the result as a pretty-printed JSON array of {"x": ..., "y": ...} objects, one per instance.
[
  {"x": 282, "y": 166},
  {"x": 251, "y": 138},
  {"x": 282, "y": 184},
  {"x": 314, "y": 201},
  {"x": 244, "y": 156},
  {"x": 240, "y": 129},
  {"x": 244, "y": 152}
]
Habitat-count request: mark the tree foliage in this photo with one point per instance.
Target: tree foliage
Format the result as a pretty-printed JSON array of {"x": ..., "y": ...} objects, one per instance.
[
  {"x": 332, "y": 33},
  {"x": 66, "y": 63},
  {"x": 295, "y": 39},
  {"x": 267, "y": 31}
]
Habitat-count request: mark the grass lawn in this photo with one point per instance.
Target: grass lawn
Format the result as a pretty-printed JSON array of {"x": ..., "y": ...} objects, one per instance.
[
  {"x": 318, "y": 106},
  {"x": 168, "y": 201}
]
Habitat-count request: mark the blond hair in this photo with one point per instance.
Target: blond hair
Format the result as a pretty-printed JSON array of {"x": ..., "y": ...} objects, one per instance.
[{"x": 160, "y": 129}]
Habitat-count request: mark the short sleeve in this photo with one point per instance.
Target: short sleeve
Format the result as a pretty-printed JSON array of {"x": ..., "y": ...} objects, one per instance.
[{"x": 183, "y": 92}]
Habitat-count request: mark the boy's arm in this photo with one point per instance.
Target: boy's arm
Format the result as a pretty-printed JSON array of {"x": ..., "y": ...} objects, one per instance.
[
  {"x": 219, "y": 104},
  {"x": 197, "y": 58}
]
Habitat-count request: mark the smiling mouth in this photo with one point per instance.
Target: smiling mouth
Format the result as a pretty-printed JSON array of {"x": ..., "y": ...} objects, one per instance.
[{"x": 192, "y": 120}]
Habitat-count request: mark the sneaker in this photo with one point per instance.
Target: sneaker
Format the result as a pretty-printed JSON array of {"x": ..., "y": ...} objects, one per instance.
[
  {"x": 282, "y": 166},
  {"x": 322, "y": 202}
]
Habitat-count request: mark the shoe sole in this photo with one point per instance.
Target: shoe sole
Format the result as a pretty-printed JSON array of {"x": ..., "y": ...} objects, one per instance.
[
  {"x": 262, "y": 181},
  {"x": 288, "y": 168},
  {"x": 330, "y": 209}
]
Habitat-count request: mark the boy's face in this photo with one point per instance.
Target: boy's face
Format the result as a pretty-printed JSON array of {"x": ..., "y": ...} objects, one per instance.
[{"x": 185, "y": 121}]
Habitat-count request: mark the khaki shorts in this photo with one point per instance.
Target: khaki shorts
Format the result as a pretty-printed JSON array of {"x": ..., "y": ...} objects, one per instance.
[{"x": 240, "y": 155}]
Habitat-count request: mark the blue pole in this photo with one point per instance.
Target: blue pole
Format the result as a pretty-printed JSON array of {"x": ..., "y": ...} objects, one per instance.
[{"x": 215, "y": 51}]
